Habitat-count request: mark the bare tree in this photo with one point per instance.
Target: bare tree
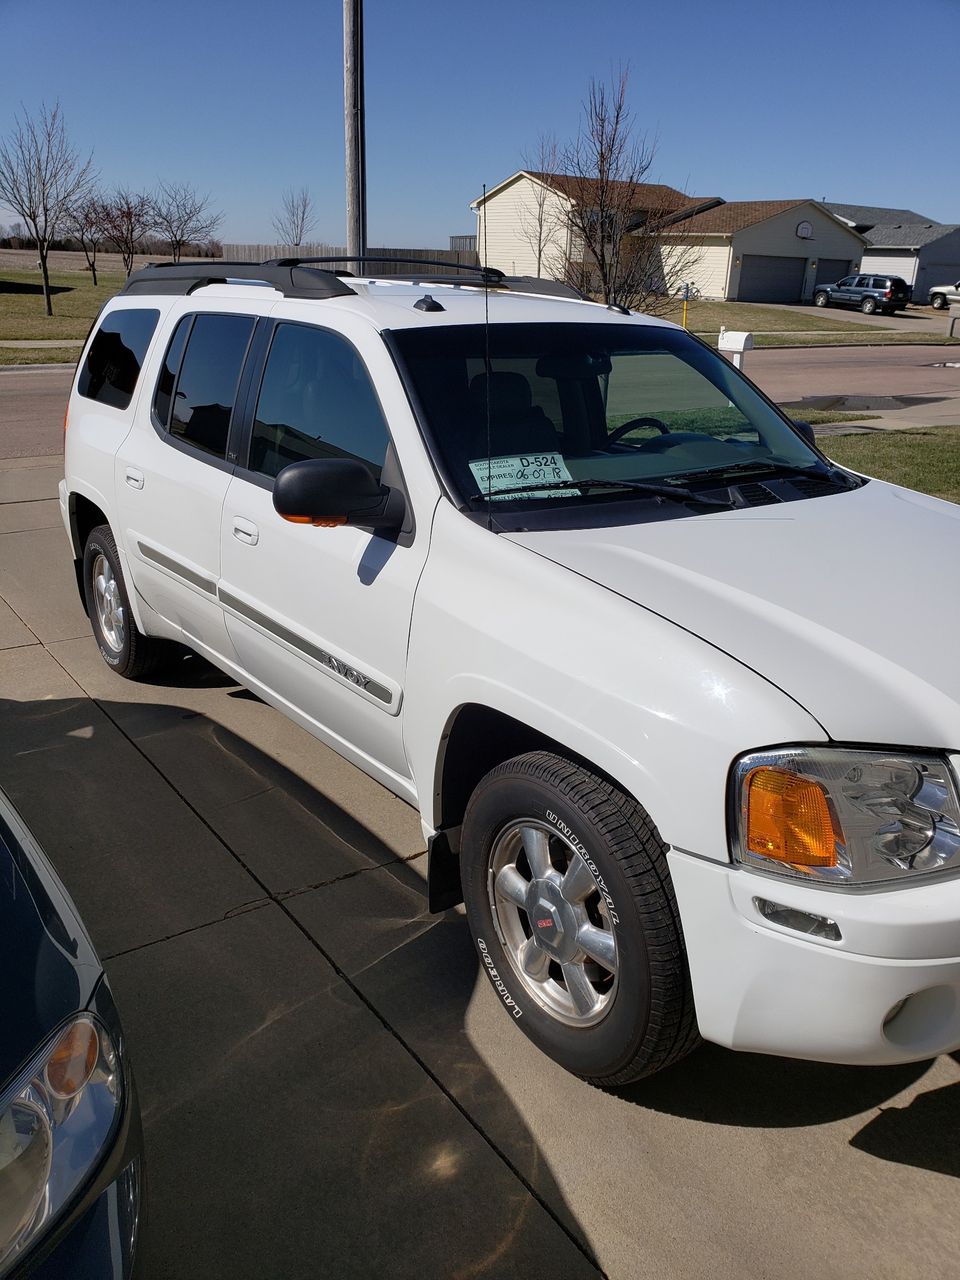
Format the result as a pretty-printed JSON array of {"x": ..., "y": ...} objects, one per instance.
[
  {"x": 296, "y": 217},
  {"x": 542, "y": 223},
  {"x": 41, "y": 175},
  {"x": 182, "y": 216},
  {"x": 622, "y": 247},
  {"x": 127, "y": 217},
  {"x": 85, "y": 221}
]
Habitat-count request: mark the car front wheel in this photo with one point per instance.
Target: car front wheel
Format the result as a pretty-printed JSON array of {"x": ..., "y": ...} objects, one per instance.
[
  {"x": 821, "y": 299},
  {"x": 572, "y": 911},
  {"x": 938, "y": 302},
  {"x": 123, "y": 647}
]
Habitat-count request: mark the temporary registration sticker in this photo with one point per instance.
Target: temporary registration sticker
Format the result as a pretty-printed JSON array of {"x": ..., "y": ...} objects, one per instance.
[{"x": 498, "y": 475}]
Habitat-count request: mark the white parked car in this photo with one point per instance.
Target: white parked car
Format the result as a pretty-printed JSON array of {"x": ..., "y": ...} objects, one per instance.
[
  {"x": 677, "y": 698},
  {"x": 942, "y": 295}
]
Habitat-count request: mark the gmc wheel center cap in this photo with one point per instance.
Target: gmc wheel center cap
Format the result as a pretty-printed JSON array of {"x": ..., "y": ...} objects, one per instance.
[{"x": 553, "y": 923}]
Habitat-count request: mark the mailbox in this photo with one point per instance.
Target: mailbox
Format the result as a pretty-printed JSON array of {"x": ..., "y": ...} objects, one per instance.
[{"x": 734, "y": 344}]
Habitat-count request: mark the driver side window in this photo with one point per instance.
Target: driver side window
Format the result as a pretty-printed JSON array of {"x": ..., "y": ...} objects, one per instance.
[{"x": 316, "y": 401}]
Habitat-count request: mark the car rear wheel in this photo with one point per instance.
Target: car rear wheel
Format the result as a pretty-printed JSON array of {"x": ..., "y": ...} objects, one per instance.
[
  {"x": 821, "y": 299},
  {"x": 123, "y": 647},
  {"x": 938, "y": 301},
  {"x": 572, "y": 911},
  {"x": 868, "y": 306}
]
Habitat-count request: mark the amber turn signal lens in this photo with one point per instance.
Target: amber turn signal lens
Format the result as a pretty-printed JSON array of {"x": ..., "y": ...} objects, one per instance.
[
  {"x": 71, "y": 1064},
  {"x": 318, "y": 522},
  {"x": 788, "y": 818}
]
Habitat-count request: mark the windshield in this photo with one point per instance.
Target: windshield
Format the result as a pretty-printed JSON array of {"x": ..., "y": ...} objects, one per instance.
[{"x": 562, "y": 402}]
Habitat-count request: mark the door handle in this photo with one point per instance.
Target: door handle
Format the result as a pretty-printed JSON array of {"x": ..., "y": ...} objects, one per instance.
[
  {"x": 245, "y": 531},
  {"x": 134, "y": 478}
]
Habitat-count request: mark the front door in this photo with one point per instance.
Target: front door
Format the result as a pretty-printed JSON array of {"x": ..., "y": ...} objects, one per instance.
[{"x": 320, "y": 617}]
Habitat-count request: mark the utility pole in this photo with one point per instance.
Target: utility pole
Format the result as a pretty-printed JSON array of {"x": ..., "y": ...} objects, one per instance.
[{"x": 354, "y": 128}]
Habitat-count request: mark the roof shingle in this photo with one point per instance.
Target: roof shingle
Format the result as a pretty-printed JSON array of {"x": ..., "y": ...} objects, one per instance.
[
  {"x": 733, "y": 216},
  {"x": 909, "y": 235}
]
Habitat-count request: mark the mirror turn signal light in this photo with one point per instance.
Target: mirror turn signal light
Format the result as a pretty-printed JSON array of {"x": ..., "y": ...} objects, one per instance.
[
  {"x": 318, "y": 522},
  {"x": 789, "y": 819}
]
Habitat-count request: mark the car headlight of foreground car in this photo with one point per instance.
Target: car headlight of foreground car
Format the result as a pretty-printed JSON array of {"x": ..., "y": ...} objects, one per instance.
[
  {"x": 842, "y": 816},
  {"x": 56, "y": 1122}
]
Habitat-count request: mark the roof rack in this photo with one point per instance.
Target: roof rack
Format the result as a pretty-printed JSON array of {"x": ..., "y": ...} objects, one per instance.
[
  {"x": 301, "y": 278},
  {"x": 291, "y": 279},
  {"x": 488, "y": 275}
]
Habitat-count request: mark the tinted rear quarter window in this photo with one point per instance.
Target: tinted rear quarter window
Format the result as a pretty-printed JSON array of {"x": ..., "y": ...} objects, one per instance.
[
  {"x": 207, "y": 385},
  {"x": 112, "y": 367}
]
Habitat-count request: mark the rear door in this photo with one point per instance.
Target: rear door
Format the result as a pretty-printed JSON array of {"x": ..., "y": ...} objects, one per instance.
[
  {"x": 320, "y": 617},
  {"x": 173, "y": 471}
]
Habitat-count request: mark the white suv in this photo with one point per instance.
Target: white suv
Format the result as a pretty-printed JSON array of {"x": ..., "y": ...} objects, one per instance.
[{"x": 674, "y": 695}]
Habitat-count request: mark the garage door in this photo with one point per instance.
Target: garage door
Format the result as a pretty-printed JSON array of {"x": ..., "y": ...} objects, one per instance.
[
  {"x": 830, "y": 270},
  {"x": 764, "y": 278}
]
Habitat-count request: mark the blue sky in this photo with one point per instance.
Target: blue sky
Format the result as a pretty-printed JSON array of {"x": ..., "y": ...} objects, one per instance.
[{"x": 746, "y": 99}]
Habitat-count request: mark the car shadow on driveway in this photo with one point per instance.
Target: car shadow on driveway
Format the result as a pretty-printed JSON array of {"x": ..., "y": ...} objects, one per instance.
[{"x": 291, "y": 1128}]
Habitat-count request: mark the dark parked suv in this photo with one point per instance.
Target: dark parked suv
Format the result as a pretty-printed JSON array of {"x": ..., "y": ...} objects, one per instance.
[{"x": 869, "y": 293}]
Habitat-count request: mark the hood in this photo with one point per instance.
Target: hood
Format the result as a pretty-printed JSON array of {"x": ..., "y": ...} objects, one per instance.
[
  {"x": 849, "y": 603},
  {"x": 47, "y": 961}
]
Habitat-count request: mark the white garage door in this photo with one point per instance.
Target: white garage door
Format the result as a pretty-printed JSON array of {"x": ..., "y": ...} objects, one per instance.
[{"x": 764, "y": 278}]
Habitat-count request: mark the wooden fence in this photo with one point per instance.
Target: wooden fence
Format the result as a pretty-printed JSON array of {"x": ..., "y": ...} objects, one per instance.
[{"x": 382, "y": 265}]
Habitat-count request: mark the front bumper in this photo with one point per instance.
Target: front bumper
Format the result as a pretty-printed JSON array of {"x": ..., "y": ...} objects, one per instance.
[{"x": 765, "y": 988}]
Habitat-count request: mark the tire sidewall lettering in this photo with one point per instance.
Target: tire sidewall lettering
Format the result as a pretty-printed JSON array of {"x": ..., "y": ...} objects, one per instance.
[
  {"x": 499, "y": 984},
  {"x": 581, "y": 848}
]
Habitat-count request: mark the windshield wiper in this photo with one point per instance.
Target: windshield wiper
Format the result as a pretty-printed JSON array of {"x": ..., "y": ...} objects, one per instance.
[
  {"x": 673, "y": 492},
  {"x": 762, "y": 467}
]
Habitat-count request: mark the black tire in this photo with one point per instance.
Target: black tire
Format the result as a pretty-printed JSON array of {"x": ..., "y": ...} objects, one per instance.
[
  {"x": 137, "y": 656},
  {"x": 649, "y": 1021},
  {"x": 938, "y": 302},
  {"x": 868, "y": 306},
  {"x": 821, "y": 299}
]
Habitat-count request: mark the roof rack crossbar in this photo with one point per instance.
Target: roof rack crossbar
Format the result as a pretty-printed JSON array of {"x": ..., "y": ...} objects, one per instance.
[
  {"x": 291, "y": 279},
  {"x": 489, "y": 273}
]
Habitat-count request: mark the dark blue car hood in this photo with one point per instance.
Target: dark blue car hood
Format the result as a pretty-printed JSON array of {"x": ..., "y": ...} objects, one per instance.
[{"x": 48, "y": 967}]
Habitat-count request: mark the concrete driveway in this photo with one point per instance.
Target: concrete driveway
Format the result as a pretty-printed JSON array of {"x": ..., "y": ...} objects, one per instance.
[{"x": 328, "y": 1088}]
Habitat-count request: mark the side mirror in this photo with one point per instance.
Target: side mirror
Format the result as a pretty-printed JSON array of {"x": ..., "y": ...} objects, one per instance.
[
  {"x": 805, "y": 430},
  {"x": 335, "y": 491}
]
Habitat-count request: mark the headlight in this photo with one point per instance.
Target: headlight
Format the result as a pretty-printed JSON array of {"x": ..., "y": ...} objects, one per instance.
[
  {"x": 842, "y": 816},
  {"x": 55, "y": 1123}
]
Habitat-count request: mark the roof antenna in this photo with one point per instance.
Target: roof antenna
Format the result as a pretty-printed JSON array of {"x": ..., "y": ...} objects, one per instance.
[{"x": 486, "y": 339}]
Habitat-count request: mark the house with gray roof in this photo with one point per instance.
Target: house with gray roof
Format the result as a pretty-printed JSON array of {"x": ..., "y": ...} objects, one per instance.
[
  {"x": 923, "y": 253},
  {"x": 864, "y": 217}
]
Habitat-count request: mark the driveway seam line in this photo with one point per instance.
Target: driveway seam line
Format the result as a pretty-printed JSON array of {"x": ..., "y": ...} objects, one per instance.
[
  {"x": 578, "y": 1244},
  {"x": 254, "y": 905}
]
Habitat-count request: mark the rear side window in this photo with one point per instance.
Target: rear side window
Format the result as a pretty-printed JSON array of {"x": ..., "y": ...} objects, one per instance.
[
  {"x": 112, "y": 367},
  {"x": 207, "y": 385}
]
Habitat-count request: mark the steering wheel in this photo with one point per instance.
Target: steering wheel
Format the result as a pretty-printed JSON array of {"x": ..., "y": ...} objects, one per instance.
[{"x": 625, "y": 427}]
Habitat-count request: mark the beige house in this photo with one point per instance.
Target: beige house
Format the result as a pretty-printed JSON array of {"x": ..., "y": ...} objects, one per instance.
[
  {"x": 753, "y": 250},
  {"x": 765, "y": 250},
  {"x": 523, "y": 223}
]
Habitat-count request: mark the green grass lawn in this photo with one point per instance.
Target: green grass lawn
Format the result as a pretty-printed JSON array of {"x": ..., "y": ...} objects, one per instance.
[
  {"x": 927, "y": 459},
  {"x": 75, "y": 304},
  {"x": 794, "y": 326},
  {"x": 39, "y": 355},
  {"x": 707, "y": 317}
]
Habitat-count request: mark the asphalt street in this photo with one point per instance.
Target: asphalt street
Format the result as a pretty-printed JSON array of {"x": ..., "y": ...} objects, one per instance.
[{"x": 329, "y": 1088}]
